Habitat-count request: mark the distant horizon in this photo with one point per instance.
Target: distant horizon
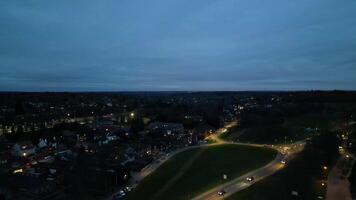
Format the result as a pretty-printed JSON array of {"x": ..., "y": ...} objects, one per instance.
[{"x": 177, "y": 91}]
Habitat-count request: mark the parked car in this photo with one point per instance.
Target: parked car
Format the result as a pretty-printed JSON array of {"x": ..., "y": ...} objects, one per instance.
[
  {"x": 127, "y": 189},
  {"x": 120, "y": 195}
]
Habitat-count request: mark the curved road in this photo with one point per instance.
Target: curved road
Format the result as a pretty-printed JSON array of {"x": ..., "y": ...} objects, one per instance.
[
  {"x": 285, "y": 153},
  {"x": 137, "y": 177}
]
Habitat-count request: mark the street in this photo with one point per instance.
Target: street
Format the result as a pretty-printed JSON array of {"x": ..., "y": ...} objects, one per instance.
[{"x": 286, "y": 152}]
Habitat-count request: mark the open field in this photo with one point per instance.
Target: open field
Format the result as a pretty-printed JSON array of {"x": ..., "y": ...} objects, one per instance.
[
  {"x": 304, "y": 175},
  {"x": 292, "y": 129},
  {"x": 196, "y": 170}
]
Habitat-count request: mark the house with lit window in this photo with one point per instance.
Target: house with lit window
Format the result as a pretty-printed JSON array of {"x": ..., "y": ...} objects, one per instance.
[
  {"x": 166, "y": 128},
  {"x": 23, "y": 149}
]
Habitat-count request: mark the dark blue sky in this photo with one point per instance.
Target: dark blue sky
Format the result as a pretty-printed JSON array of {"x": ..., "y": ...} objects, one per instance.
[{"x": 87, "y": 45}]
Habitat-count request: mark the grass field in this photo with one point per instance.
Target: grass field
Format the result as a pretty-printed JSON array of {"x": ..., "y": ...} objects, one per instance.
[
  {"x": 304, "y": 174},
  {"x": 293, "y": 128},
  {"x": 196, "y": 170}
]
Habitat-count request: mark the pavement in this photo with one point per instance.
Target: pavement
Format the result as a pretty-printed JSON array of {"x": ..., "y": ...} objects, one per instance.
[{"x": 338, "y": 184}]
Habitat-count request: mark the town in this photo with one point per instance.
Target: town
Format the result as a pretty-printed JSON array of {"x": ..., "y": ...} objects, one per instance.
[
  {"x": 93, "y": 145},
  {"x": 178, "y": 100}
]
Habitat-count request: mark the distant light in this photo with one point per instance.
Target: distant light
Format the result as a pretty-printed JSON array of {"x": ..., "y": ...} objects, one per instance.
[
  {"x": 18, "y": 171},
  {"x": 132, "y": 114},
  {"x": 325, "y": 167},
  {"x": 24, "y": 154}
]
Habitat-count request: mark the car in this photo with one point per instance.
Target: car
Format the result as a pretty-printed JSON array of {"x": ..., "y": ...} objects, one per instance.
[
  {"x": 127, "y": 189},
  {"x": 120, "y": 195},
  {"x": 250, "y": 179},
  {"x": 221, "y": 192}
]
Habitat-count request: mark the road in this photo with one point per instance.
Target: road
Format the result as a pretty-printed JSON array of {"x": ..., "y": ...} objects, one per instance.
[
  {"x": 285, "y": 153},
  {"x": 149, "y": 169},
  {"x": 338, "y": 183},
  {"x": 240, "y": 183},
  {"x": 136, "y": 178}
]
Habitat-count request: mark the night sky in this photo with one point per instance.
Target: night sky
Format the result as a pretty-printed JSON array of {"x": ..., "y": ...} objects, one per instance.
[{"x": 154, "y": 45}]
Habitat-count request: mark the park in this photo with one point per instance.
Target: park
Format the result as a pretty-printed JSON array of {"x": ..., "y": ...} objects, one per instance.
[{"x": 196, "y": 170}]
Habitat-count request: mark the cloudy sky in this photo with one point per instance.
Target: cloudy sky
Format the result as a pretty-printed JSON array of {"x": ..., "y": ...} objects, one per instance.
[{"x": 131, "y": 45}]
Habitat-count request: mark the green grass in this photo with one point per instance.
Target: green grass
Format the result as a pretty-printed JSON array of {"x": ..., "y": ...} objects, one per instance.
[
  {"x": 197, "y": 170},
  {"x": 303, "y": 174},
  {"x": 293, "y": 128},
  {"x": 210, "y": 141},
  {"x": 230, "y": 132}
]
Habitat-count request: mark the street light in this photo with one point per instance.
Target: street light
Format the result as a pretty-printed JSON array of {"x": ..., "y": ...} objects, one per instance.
[{"x": 224, "y": 176}]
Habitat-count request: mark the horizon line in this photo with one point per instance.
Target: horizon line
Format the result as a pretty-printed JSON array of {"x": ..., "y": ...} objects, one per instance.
[{"x": 175, "y": 91}]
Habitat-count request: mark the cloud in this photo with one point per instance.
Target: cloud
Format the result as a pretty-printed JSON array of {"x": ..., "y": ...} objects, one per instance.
[{"x": 177, "y": 45}]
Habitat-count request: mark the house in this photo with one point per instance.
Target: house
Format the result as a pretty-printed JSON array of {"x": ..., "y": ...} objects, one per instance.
[
  {"x": 63, "y": 152},
  {"x": 111, "y": 137},
  {"x": 203, "y": 129},
  {"x": 32, "y": 186},
  {"x": 4, "y": 159},
  {"x": 69, "y": 138},
  {"x": 166, "y": 128},
  {"x": 42, "y": 143},
  {"x": 5, "y": 149},
  {"x": 23, "y": 149}
]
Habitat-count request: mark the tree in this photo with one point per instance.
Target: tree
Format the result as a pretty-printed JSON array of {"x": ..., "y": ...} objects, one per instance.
[
  {"x": 137, "y": 125},
  {"x": 327, "y": 142},
  {"x": 19, "y": 107}
]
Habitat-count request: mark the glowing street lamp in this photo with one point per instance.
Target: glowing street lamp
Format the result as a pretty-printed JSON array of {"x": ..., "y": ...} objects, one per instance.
[{"x": 224, "y": 176}]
